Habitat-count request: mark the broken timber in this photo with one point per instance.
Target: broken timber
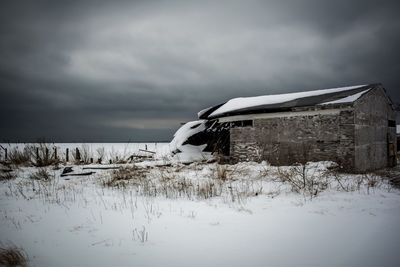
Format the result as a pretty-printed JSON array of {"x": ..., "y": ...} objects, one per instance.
[
  {"x": 101, "y": 168},
  {"x": 77, "y": 174},
  {"x": 147, "y": 151}
]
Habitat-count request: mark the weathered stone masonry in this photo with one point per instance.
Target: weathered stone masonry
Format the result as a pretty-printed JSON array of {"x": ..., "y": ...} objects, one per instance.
[
  {"x": 286, "y": 140},
  {"x": 355, "y": 136},
  {"x": 374, "y": 138}
]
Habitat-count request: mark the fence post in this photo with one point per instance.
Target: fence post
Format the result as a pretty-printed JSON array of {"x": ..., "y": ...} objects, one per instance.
[
  {"x": 67, "y": 154},
  {"x": 46, "y": 154},
  {"x": 37, "y": 155},
  {"x": 55, "y": 153},
  {"x": 77, "y": 155},
  {"x": 5, "y": 153}
]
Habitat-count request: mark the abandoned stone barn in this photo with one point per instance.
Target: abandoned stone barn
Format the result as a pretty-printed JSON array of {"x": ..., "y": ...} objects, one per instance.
[{"x": 353, "y": 126}]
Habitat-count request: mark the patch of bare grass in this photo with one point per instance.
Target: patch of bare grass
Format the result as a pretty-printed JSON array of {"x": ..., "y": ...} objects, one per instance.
[
  {"x": 42, "y": 174},
  {"x": 121, "y": 177},
  {"x": 194, "y": 182}
]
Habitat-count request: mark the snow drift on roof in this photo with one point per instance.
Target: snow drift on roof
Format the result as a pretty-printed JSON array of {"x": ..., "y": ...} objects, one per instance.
[
  {"x": 348, "y": 99},
  {"x": 248, "y": 102},
  {"x": 203, "y": 111}
]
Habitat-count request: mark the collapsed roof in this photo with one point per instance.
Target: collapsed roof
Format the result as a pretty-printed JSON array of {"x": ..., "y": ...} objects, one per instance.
[{"x": 286, "y": 102}]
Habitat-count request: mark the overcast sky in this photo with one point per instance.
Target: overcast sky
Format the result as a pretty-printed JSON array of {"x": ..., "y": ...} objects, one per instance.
[{"x": 133, "y": 70}]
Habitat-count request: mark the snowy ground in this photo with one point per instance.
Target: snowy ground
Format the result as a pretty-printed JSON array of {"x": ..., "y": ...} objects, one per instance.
[{"x": 200, "y": 215}]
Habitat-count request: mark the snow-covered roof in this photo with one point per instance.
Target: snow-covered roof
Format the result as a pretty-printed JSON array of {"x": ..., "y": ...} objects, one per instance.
[
  {"x": 348, "y": 99},
  {"x": 284, "y": 102}
]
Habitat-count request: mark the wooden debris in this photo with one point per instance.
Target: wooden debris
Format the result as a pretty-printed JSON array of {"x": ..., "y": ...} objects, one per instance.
[
  {"x": 67, "y": 170},
  {"x": 147, "y": 151},
  {"x": 101, "y": 168},
  {"x": 139, "y": 158},
  {"x": 77, "y": 174},
  {"x": 163, "y": 165}
]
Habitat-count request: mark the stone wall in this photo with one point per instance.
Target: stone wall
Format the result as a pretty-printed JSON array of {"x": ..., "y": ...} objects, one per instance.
[
  {"x": 357, "y": 137},
  {"x": 372, "y": 133},
  {"x": 291, "y": 139}
]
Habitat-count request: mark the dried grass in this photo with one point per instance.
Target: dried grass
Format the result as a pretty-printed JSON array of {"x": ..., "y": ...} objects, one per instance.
[
  {"x": 18, "y": 157},
  {"x": 12, "y": 257},
  {"x": 121, "y": 177},
  {"x": 39, "y": 155},
  {"x": 42, "y": 174},
  {"x": 8, "y": 175}
]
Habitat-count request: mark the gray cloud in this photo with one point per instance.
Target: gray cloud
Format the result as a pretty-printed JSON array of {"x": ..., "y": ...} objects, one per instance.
[{"x": 114, "y": 71}]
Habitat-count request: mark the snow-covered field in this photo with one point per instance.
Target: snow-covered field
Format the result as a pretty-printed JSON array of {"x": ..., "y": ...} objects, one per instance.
[{"x": 200, "y": 214}]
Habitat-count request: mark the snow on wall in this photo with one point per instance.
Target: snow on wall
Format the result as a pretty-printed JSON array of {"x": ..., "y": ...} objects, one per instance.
[{"x": 246, "y": 102}]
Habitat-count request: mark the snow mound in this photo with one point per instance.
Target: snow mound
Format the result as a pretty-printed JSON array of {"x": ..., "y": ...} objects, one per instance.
[{"x": 186, "y": 152}]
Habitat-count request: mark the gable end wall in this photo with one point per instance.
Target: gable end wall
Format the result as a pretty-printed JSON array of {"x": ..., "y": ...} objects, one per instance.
[{"x": 372, "y": 133}]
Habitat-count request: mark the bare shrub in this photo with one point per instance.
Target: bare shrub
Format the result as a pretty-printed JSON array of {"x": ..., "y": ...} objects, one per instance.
[
  {"x": 339, "y": 179},
  {"x": 372, "y": 181},
  {"x": 82, "y": 155},
  {"x": 265, "y": 171},
  {"x": 13, "y": 256},
  {"x": 100, "y": 154},
  {"x": 304, "y": 180},
  {"x": 392, "y": 175},
  {"x": 116, "y": 157},
  {"x": 288, "y": 176},
  {"x": 42, "y": 174},
  {"x": 86, "y": 154},
  {"x": 356, "y": 182}
]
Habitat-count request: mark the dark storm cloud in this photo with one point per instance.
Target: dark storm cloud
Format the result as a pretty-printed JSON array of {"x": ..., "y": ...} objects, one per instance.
[{"x": 120, "y": 70}]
